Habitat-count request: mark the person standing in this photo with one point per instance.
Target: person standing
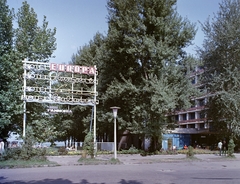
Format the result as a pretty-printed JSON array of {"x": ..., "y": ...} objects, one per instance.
[
  {"x": 220, "y": 147},
  {"x": 1, "y": 146},
  {"x": 224, "y": 145}
]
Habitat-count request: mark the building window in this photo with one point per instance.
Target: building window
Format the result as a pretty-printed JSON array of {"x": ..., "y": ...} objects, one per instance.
[
  {"x": 201, "y": 102},
  {"x": 192, "y": 115},
  {"x": 194, "y": 81},
  {"x": 201, "y": 125},
  {"x": 176, "y": 118},
  {"x": 191, "y": 126},
  {"x": 184, "y": 116},
  {"x": 182, "y": 126},
  {"x": 202, "y": 115}
]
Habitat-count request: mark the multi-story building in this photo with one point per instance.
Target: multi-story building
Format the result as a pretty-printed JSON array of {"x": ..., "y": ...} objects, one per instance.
[{"x": 192, "y": 126}]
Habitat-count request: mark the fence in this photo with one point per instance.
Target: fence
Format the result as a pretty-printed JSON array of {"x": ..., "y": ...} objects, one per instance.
[
  {"x": 105, "y": 146},
  {"x": 101, "y": 146}
]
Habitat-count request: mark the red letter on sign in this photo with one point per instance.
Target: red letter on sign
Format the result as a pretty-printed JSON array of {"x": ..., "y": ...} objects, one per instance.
[
  {"x": 91, "y": 71},
  {"x": 69, "y": 68},
  {"x": 61, "y": 68},
  {"x": 53, "y": 67},
  {"x": 85, "y": 70},
  {"x": 76, "y": 69}
]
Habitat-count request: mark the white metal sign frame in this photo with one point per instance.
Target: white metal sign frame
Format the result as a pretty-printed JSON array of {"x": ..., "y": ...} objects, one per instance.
[{"x": 52, "y": 74}]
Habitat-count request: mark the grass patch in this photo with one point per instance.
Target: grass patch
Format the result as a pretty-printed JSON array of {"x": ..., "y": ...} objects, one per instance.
[
  {"x": 94, "y": 161},
  {"x": 25, "y": 163},
  {"x": 198, "y": 151},
  {"x": 53, "y": 151}
]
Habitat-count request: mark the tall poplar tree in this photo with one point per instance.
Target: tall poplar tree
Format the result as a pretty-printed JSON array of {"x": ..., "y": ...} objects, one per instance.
[
  {"x": 91, "y": 54},
  {"x": 146, "y": 65},
  {"x": 34, "y": 41},
  {"x": 31, "y": 41},
  {"x": 10, "y": 107},
  {"x": 221, "y": 57}
]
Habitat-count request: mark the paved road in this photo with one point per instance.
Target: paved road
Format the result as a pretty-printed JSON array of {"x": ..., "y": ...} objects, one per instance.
[{"x": 207, "y": 169}]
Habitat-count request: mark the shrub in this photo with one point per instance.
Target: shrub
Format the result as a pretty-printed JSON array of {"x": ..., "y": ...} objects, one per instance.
[
  {"x": 231, "y": 146},
  {"x": 62, "y": 151},
  {"x": 13, "y": 153},
  {"x": 27, "y": 151},
  {"x": 114, "y": 161},
  {"x": 190, "y": 152},
  {"x": 133, "y": 150},
  {"x": 25, "y": 154},
  {"x": 88, "y": 144}
]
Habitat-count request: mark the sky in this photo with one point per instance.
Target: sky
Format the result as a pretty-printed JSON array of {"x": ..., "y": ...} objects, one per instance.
[{"x": 77, "y": 21}]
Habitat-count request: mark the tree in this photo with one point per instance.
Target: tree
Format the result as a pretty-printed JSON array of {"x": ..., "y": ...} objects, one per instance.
[
  {"x": 94, "y": 53},
  {"x": 28, "y": 41},
  {"x": 147, "y": 63},
  {"x": 10, "y": 73},
  {"x": 6, "y": 31},
  {"x": 34, "y": 42},
  {"x": 220, "y": 54}
]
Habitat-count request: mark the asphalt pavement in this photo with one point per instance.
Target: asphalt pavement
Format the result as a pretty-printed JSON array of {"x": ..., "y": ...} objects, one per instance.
[{"x": 135, "y": 169}]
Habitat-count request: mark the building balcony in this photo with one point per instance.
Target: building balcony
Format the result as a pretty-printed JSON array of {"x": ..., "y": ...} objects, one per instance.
[
  {"x": 190, "y": 121},
  {"x": 192, "y": 109},
  {"x": 189, "y": 130}
]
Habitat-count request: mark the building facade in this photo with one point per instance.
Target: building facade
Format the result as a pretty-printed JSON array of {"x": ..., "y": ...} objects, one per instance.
[{"x": 192, "y": 125}]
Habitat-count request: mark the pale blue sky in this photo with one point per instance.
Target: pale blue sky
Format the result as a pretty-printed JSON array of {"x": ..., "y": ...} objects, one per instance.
[{"x": 77, "y": 21}]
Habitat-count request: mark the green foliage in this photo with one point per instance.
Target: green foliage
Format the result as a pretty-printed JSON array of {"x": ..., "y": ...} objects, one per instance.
[
  {"x": 143, "y": 66},
  {"x": 190, "y": 152},
  {"x": 9, "y": 72},
  {"x": 131, "y": 150},
  {"x": 6, "y": 25},
  {"x": 27, "y": 151},
  {"x": 44, "y": 130},
  {"x": 220, "y": 55},
  {"x": 93, "y": 161},
  {"x": 14, "y": 154},
  {"x": 10, "y": 92},
  {"x": 231, "y": 147},
  {"x": 114, "y": 161},
  {"x": 88, "y": 144},
  {"x": 6, "y": 164},
  {"x": 30, "y": 41},
  {"x": 34, "y": 42},
  {"x": 145, "y": 40},
  {"x": 197, "y": 151},
  {"x": 62, "y": 151}
]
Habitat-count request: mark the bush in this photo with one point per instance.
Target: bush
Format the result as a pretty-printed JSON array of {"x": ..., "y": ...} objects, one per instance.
[
  {"x": 190, "y": 152},
  {"x": 25, "y": 154},
  {"x": 62, "y": 151},
  {"x": 133, "y": 150},
  {"x": 231, "y": 147},
  {"x": 13, "y": 153},
  {"x": 88, "y": 144},
  {"x": 27, "y": 151}
]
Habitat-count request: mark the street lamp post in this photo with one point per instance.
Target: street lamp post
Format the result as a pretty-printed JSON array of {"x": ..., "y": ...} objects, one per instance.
[{"x": 115, "y": 109}]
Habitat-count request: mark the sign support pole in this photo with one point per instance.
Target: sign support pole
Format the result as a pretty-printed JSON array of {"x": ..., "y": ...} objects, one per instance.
[
  {"x": 95, "y": 112},
  {"x": 24, "y": 100}
]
